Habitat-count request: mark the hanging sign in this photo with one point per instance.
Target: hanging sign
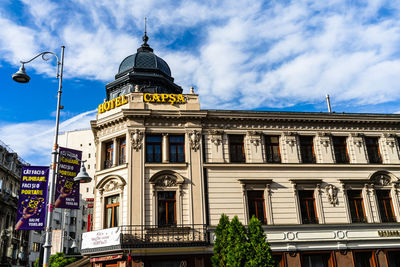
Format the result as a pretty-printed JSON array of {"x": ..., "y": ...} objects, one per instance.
[
  {"x": 67, "y": 190},
  {"x": 31, "y": 212}
]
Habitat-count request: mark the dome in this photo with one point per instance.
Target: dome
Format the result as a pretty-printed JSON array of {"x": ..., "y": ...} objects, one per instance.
[{"x": 144, "y": 60}]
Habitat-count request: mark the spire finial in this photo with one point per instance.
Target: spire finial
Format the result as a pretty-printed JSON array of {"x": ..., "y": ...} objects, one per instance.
[
  {"x": 145, "y": 46},
  {"x": 145, "y": 37}
]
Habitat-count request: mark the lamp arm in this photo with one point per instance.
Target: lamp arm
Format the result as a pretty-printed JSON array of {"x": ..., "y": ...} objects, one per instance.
[{"x": 43, "y": 54}]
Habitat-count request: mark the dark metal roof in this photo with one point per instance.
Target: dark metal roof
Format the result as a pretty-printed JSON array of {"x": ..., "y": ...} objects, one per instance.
[{"x": 144, "y": 60}]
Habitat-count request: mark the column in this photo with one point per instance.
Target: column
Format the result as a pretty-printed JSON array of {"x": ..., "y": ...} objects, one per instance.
[
  {"x": 115, "y": 152},
  {"x": 267, "y": 191},
  {"x": 320, "y": 209},
  {"x": 165, "y": 148}
]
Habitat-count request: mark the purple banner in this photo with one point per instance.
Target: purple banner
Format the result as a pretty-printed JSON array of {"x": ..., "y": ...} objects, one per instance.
[
  {"x": 31, "y": 213},
  {"x": 67, "y": 191}
]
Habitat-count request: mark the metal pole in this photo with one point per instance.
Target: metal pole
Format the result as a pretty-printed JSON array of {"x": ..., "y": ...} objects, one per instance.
[
  {"x": 328, "y": 102},
  {"x": 53, "y": 171}
]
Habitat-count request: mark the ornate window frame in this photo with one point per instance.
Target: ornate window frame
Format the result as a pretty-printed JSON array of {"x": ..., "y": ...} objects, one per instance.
[
  {"x": 307, "y": 184},
  {"x": 167, "y": 181},
  {"x": 257, "y": 185},
  {"x": 109, "y": 186},
  {"x": 379, "y": 180}
]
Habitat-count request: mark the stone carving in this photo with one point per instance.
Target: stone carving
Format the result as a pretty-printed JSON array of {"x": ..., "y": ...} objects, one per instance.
[
  {"x": 194, "y": 139},
  {"x": 216, "y": 137},
  {"x": 166, "y": 181},
  {"x": 112, "y": 185},
  {"x": 332, "y": 191},
  {"x": 381, "y": 179},
  {"x": 290, "y": 138},
  {"x": 325, "y": 142},
  {"x": 137, "y": 138},
  {"x": 254, "y": 137}
]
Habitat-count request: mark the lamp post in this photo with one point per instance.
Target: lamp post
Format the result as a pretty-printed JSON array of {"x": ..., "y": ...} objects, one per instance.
[{"x": 21, "y": 77}]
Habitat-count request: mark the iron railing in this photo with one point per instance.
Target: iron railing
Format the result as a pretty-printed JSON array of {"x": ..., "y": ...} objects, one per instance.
[{"x": 142, "y": 236}]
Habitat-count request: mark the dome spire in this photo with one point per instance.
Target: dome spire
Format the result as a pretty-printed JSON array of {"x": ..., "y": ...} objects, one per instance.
[{"x": 145, "y": 46}]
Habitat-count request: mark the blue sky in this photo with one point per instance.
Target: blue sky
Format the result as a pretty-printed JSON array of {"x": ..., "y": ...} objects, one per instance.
[{"x": 250, "y": 55}]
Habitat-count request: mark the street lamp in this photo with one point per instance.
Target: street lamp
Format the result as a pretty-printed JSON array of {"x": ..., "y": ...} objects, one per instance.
[{"x": 21, "y": 77}]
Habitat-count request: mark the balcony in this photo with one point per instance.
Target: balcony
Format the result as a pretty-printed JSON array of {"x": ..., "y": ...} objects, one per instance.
[
  {"x": 141, "y": 236},
  {"x": 145, "y": 236}
]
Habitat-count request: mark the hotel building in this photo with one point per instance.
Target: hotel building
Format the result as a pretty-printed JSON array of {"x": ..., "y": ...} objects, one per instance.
[{"x": 325, "y": 185}]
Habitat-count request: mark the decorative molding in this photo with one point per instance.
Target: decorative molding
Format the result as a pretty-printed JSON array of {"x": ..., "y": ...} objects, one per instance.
[
  {"x": 166, "y": 181},
  {"x": 381, "y": 179},
  {"x": 194, "y": 139},
  {"x": 113, "y": 185},
  {"x": 254, "y": 137},
  {"x": 325, "y": 142},
  {"x": 216, "y": 137},
  {"x": 331, "y": 192},
  {"x": 136, "y": 139}
]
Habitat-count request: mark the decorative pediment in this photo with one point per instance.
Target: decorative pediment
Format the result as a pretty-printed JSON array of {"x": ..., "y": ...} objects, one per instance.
[
  {"x": 111, "y": 183},
  {"x": 167, "y": 179},
  {"x": 381, "y": 178}
]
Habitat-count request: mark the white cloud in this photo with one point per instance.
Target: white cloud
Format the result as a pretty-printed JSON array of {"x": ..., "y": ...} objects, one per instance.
[
  {"x": 33, "y": 140},
  {"x": 248, "y": 54}
]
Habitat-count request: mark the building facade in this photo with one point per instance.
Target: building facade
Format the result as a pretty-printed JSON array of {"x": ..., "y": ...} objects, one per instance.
[
  {"x": 13, "y": 244},
  {"x": 324, "y": 185}
]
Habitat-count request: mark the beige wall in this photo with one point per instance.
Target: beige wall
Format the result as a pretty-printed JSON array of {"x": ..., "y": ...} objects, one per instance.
[{"x": 227, "y": 182}]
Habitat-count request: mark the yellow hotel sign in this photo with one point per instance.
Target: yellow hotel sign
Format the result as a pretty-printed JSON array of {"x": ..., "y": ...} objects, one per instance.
[
  {"x": 113, "y": 103},
  {"x": 164, "y": 98}
]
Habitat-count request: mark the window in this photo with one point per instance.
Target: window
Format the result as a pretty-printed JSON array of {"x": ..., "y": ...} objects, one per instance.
[
  {"x": 72, "y": 235},
  {"x": 35, "y": 247},
  {"x": 356, "y": 206},
  {"x": 176, "y": 148},
  {"x": 385, "y": 206},
  {"x": 272, "y": 149},
  {"x": 122, "y": 151},
  {"x": 340, "y": 149},
  {"x": 316, "y": 260},
  {"x": 372, "y": 146},
  {"x": 236, "y": 148},
  {"x": 166, "y": 208},
  {"x": 1, "y": 184},
  {"x": 109, "y": 155},
  {"x": 256, "y": 202},
  {"x": 307, "y": 207},
  {"x": 72, "y": 221},
  {"x": 111, "y": 211},
  {"x": 307, "y": 149},
  {"x": 364, "y": 259},
  {"x": 153, "y": 148},
  {"x": 88, "y": 155}
]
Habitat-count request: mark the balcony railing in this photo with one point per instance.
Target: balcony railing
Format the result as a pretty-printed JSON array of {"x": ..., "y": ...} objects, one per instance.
[{"x": 142, "y": 236}]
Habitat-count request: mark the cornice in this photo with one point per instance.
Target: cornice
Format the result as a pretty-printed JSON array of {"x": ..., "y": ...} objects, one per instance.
[{"x": 316, "y": 166}]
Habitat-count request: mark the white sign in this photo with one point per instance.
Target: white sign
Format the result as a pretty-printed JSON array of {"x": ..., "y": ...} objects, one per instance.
[{"x": 101, "y": 238}]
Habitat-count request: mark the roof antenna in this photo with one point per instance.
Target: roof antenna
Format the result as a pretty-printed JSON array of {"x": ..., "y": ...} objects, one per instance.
[{"x": 328, "y": 102}]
